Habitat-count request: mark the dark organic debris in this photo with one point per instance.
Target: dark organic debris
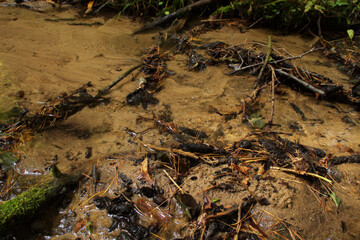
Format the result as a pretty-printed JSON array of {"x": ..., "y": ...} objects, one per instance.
[
  {"x": 197, "y": 147},
  {"x": 298, "y": 110},
  {"x": 53, "y": 110},
  {"x": 196, "y": 62},
  {"x": 188, "y": 204},
  {"x": 173, "y": 15},
  {"x": 193, "y": 132},
  {"x": 141, "y": 96},
  {"x": 154, "y": 66},
  {"x": 345, "y": 159},
  {"x": 124, "y": 215},
  {"x": 243, "y": 144}
]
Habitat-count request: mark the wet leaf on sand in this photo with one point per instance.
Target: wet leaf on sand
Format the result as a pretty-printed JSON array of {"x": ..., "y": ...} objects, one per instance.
[
  {"x": 257, "y": 121},
  {"x": 335, "y": 199}
]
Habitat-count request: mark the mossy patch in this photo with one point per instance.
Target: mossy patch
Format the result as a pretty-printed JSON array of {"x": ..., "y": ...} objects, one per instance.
[
  {"x": 9, "y": 115},
  {"x": 7, "y": 159},
  {"x": 25, "y": 204},
  {"x": 28, "y": 204}
]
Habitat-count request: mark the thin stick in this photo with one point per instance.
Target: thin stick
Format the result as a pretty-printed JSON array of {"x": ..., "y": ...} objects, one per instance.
[
  {"x": 216, "y": 20},
  {"x": 258, "y": 81},
  {"x": 301, "y": 173},
  {"x": 238, "y": 225},
  {"x": 275, "y": 62},
  {"x": 173, "y": 181},
  {"x": 255, "y": 22},
  {"x": 178, "y": 151},
  {"x": 273, "y": 76},
  {"x": 305, "y": 84},
  {"x": 101, "y": 7},
  {"x": 107, "y": 89}
]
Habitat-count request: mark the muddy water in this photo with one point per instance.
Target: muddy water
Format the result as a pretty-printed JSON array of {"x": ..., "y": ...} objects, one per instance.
[{"x": 45, "y": 58}]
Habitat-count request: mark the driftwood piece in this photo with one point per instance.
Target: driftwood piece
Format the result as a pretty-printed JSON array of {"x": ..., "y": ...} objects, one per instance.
[{"x": 172, "y": 16}]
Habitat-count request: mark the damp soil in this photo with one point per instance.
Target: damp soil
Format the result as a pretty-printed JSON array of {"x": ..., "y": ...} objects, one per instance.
[{"x": 40, "y": 59}]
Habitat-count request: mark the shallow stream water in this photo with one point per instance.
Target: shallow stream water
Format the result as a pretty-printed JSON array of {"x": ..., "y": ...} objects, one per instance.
[{"x": 44, "y": 58}]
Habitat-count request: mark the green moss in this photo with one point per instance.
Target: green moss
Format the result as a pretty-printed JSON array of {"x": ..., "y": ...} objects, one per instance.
[
  {"x": 228, "y": 10},
  {"x": 29, "y": 203},
  {"x": 7, "y": 159},
  {"x": 25, "y": 204},
  {"x": 5, "y": 116}
]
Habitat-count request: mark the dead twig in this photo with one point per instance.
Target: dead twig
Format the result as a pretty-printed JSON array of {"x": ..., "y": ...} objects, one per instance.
[
  {"x": 273, "y": 76},
  {"x": 305, "y": 84},
  {"x": 301, "y": 173},
  {"x": 173, "y": 181},
  {"x": 170, "y": 150},
  {"x": 258, "y": 81},
  {"x": 107, "y": 88},
  {"x": 275, "y": 62}
]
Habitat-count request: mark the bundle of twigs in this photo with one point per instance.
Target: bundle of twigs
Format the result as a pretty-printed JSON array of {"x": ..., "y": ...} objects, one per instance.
[{"x": 241, "y": 59}]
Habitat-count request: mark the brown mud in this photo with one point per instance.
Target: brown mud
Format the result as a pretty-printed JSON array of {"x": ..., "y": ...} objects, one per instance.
[{"x": 44, "y": 58}]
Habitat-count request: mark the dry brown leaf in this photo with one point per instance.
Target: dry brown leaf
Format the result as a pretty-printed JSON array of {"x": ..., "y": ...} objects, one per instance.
[
  {"x": 89, "y": 7},
  {"x": 245, "y": 181},
  {"x": 241, "y": 169},
  {"x": 145, "y": 171},
  {"x": 51, "y": 2},
  {"x": 207, "y": 201},
  {"x": 261, "y": 170},
  {"x": 146, "y": 207},
  {"x": 79, "y": 225}
]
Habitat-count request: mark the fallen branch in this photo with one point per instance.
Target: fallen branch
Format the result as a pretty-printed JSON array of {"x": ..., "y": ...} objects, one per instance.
[
  {"x": 305, "y": 84},
  {"x": 172, "y": 16}
]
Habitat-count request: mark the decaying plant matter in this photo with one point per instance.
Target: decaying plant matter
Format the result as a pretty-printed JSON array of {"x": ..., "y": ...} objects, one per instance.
[
  {"x": 247, "y": 159},
  {"x": 154, "y": 66},
  {"x": 250, "y": 158}
]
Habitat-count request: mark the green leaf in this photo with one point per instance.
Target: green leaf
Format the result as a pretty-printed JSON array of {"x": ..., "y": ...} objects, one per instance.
[
  {"x": 167, "y": 13},
  {"x": 308, "y": 6},
  {"x": 88, "y": 227},
  {"x": 214, "y": 200},
  {"x": 350, "y": 33},
  {"x": 319, "y": 8},
  {"x": 160, "y": 3},
  {"x": 335, "y": 199},
  {"x": 341, "y": 3},
  {"x": 257, "y": 121}
]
